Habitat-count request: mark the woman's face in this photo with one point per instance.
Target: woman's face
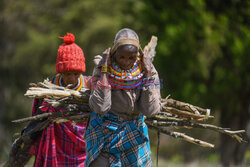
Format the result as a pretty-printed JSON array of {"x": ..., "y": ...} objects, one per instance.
[
  {"x": 126, "y": 56},
  {"x": 71, "y": 77}
]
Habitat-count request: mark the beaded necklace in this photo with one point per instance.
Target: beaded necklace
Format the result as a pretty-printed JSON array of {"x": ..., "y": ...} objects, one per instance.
[
  {"x": 126, "y": 79},
  {"x": 58, "y": 81}
]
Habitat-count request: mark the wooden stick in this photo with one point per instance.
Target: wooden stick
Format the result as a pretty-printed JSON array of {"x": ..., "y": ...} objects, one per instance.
[
  {"x": 185, "y": 114},
  {"x": 149, "y": 49},
  {"x": 233, "y": 134},
  {"x": 185, "y": 106},
  {"x": 182, "y": 136},
  {"x": 47, "y": 115}
]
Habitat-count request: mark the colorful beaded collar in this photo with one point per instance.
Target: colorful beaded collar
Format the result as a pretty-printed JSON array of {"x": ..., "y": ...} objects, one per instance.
[
  {"x": 58, "y": 81},
  {"x": 126, "y": 79}
]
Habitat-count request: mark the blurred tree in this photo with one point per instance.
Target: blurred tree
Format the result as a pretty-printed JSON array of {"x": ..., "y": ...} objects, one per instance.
[
  {"x": 203, "y": 58},
  {"x": 229, "y": 79}
]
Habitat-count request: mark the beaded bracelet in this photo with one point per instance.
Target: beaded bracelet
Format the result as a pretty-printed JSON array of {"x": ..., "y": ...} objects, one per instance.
[{"x": 104, "y": 69}]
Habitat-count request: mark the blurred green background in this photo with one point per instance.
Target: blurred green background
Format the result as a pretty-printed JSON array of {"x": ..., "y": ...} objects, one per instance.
[{"x": 202, "y": 56}]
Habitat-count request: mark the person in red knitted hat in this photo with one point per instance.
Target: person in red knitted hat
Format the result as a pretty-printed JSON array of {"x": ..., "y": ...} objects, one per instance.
[{"x": 62, "y": 144}]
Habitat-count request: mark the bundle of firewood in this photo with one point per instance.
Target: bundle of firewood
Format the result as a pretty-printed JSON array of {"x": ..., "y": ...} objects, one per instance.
[{"x": 173, "y": 114}]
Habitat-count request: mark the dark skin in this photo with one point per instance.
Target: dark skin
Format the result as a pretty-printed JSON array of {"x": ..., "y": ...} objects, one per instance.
[
  {"x": 70, "y": 78},
  {"x": 125, "y": 57}
]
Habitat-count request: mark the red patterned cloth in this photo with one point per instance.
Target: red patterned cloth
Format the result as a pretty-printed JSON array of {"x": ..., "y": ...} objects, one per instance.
[{"x": 60, "y": 144}]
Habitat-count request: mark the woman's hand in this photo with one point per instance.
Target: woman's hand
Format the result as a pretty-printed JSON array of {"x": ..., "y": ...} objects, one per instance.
[
  {"x": 105, "y": 62},
  {"x": 147, "y": 63}
]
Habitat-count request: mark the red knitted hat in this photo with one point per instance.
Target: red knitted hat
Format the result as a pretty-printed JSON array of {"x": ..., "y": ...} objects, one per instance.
[{"x": 70, "y": 56}]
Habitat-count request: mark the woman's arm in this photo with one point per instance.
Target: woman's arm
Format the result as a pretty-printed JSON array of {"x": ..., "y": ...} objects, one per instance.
[
  {"x": 150, "y": 100},
  {"x": 100, "y": 97}
]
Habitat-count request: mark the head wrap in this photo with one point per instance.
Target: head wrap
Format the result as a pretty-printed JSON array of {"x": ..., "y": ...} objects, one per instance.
[
  {"x": 70, "y": 56},
  {"x": 126, "y": 36},
  {"x": 126, "y": 79}
]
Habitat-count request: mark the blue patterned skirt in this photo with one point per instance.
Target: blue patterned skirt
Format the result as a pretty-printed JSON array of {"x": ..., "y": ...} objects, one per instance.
[{"x": 126, "y": 142}]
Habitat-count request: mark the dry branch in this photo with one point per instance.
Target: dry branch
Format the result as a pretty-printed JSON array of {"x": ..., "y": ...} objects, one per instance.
[
  {"x": 185, "y": 106},
  {"x": 187, "y": 124},
  {"x": 185, "y": 114},
  {"x": 181, "y": 136}
]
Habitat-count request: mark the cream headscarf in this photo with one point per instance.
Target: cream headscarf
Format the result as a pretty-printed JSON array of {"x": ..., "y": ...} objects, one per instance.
[{"x": 126, "y": 36}]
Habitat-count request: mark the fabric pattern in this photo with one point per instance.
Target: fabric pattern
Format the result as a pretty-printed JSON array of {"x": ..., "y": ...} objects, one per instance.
[
  {"x": 126, "y": 142},
  {"x": 60, "y": 144}
]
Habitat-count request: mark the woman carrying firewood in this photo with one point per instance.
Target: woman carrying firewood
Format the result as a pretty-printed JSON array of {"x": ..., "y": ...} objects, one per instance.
[
  {"x": 62, "y": 144},
  {"x": 125, "y": 89}
]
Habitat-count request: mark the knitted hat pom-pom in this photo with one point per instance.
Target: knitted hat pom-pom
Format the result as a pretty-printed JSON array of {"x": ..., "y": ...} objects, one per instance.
[{"x": 69, "y": 39}]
